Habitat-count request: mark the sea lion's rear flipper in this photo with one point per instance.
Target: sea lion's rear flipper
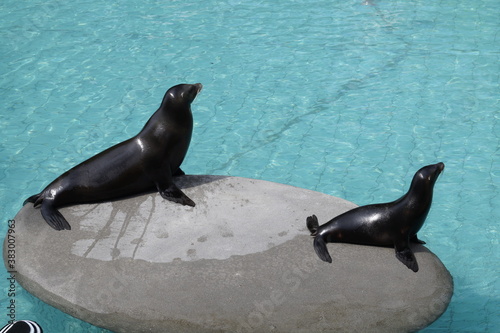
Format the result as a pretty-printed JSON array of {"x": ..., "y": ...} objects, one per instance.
[
  {"x": 33, "y": 199},
  {"x": 321, "y": 250},
  {"x": 406, "y": 256},
  {"x": 53, "y": 217},
  {"x": 173, "y": 193},
  {"x": 312, "y": 224}
]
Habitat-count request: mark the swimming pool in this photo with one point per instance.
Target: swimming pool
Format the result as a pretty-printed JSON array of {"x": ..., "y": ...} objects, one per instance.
[{"x": 342, "y": 98}]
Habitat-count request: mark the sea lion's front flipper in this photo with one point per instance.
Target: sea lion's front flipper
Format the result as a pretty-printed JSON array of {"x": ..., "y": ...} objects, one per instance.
[
  {"x": 53, "y": 217},
  {"x": 167, "y": 189},
  {"x": 415, "y": 239},
  {"x": 173, "y": 193},
  {"x": 406, "y": 256},
  {"x": 179, "y": 172}
]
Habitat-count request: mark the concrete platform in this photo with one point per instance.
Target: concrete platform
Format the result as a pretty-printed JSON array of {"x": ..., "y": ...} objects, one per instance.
[{"x": 242, "y": 260}]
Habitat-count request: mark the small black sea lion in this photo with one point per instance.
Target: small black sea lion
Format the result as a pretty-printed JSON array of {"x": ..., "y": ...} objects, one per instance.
[
  {"x": 144, "y": 163},
  {"x": 388, "y": 224}
]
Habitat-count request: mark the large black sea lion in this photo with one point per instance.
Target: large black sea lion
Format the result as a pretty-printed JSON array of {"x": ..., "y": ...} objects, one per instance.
[
  {"x": 388, "y": 224},
  {"x": 144, "y": 163}
]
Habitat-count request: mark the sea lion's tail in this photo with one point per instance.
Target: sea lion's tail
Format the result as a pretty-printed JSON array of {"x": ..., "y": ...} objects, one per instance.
[
  {"x": 321, "y": 250},
  {"x": 312, "y": 224}
]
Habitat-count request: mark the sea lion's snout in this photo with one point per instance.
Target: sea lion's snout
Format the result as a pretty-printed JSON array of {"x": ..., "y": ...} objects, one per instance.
[{"x": 199, "y": 86}]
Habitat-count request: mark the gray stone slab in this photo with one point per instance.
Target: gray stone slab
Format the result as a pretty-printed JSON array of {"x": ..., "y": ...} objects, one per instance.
[{"x": 242, "y": 260}]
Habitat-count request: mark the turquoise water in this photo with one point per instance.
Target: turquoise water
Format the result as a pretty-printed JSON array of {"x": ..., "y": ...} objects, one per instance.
[{"x": 335, "y": 96}]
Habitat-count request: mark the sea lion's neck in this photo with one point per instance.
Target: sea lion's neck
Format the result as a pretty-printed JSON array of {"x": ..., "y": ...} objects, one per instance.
[
  {"x": 421, "y": 188},
  {"x": 162, "y": 122},
  {"x": 418, "y": 199}
]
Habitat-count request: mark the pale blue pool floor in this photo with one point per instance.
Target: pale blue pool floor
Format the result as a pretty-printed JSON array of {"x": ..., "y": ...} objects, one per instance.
[{"x": 341, "y": 98}]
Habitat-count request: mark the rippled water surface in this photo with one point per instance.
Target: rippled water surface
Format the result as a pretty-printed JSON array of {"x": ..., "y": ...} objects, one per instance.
[{"x": 336, "y": 96}]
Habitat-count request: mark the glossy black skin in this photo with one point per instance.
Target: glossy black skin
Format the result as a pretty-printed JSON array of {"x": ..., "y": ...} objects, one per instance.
[
  {"x": 144, "y": 163},
  {"x": 389, "y": 224},
  {"x": 22, "y": 326}
]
